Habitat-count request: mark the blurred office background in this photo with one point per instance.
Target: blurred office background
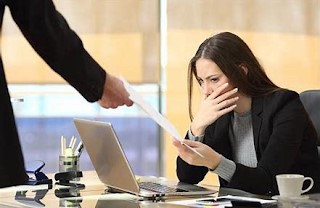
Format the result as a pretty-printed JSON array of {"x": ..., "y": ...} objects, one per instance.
[{"x": 150, "y": 43}]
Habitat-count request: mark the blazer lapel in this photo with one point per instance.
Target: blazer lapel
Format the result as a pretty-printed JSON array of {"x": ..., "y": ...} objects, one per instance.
[{"x": 257, "y": 108}]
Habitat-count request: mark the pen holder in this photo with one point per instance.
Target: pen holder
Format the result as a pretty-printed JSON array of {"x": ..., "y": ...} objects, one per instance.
[
  {"x": 68, "y": 163},
  {"x": 69, "y": 179},
  {"x": 69, "y": 197}
]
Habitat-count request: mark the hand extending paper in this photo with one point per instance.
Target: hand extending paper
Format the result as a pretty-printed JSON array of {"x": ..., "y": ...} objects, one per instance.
[{"x": 155, "y": 115}]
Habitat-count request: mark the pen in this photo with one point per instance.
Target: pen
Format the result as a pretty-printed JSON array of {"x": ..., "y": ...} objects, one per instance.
[
  {"x": 79, "y": 149},
  {"x": 63, "y": 145},
  {"x": 72, "y": 142}
]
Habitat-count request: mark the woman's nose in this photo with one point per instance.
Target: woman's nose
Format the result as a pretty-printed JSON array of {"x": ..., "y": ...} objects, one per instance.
[{"x": 207, "y": 89}]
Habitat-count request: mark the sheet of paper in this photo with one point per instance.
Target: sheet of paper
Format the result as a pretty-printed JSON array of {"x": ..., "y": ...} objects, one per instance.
[
  {"x": 222, "y": 201},
  {"x": 251, "y": 199},
  {"x": 154, "y": 114}
]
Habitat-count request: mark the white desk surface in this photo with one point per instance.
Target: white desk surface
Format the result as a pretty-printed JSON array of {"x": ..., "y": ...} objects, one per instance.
[{"x": 93, "y": 195}]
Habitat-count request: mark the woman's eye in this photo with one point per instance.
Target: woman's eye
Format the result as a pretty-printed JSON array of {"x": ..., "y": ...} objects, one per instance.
[
  {"x": 214, "y": 80},
  {"x": 200, "y": 82}
]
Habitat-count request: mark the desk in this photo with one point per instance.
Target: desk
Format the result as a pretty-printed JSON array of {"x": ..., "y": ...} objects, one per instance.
[{"x": 92, "y": 196}]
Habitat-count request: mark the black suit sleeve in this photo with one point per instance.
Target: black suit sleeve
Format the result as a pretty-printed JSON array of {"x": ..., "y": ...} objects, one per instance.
[{"x": 51, "y": 37}]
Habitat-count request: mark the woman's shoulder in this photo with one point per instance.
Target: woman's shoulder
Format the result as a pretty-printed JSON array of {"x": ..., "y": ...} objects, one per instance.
[
  {"x": 277, "y": 100},
  {"x": 282, "y": 95}
]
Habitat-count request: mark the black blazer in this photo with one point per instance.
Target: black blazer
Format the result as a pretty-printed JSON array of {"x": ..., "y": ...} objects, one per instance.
[
  {"x": 284, "y": 140},
  {"x": 49, "y": 34}
]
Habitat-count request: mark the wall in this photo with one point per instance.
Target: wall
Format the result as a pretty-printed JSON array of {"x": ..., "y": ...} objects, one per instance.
[{"x": 123, "y": 36}]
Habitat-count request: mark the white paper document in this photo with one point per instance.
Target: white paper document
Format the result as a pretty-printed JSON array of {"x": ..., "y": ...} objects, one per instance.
[
  {"x": 226, "y": 201},
  {"x": 154, "y": 114}
]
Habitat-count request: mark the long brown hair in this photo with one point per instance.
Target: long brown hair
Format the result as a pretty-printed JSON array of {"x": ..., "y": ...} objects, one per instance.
[{"x": 231, "y": 53}]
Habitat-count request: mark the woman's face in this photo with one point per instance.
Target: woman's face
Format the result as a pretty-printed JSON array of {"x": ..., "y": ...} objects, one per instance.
[{"x": 210, "y": 76}]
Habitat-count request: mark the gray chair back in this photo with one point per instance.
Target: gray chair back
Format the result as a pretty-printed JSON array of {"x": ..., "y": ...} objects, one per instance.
[{"x": 311, "y": 101}]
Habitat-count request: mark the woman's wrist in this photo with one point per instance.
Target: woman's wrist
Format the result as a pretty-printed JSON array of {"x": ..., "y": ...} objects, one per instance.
[
  {"x": 215, "y": 161},
  {"x": 196, "y": 131}
]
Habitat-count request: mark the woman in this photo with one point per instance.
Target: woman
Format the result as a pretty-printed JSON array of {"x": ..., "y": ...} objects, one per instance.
[{"x": 247, "y": 128}]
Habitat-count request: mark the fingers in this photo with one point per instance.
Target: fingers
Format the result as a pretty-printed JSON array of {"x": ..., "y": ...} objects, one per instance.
[
  {"x": 226, "y": 95},
  {"x": 191, "y": 143},
  {"x": 128, "y": 102},
  {"x": 178, "y": 142},
  {"x": 218, "y": 94},
  {"x": 110, "y": 104},
  {"x": 114, "y": 94},
  {"x": 180, "y": 145},
  {"x": 226, "y": 110},
  {"x": 224, "y": 102},
  {"x": 218, "y": 91},
  {"x": 125, "y": 96},
  {"x": 175, "y": 141},
  {"x": 188, "y": 142},
  {"x": 227, "y": 103}
]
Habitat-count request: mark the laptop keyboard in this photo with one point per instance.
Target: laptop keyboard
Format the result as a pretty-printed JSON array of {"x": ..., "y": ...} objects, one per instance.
[{"x": 159, "y": 188}]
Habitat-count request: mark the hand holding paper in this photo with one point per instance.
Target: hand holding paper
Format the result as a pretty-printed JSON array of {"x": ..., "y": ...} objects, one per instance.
[{"x": 155, "y": 115}]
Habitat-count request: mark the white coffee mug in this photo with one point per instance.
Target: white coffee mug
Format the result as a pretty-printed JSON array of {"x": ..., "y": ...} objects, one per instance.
[{"x": 290, "y": 185}]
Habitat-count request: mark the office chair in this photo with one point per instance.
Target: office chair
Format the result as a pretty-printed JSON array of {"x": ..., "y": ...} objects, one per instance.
[{"x": 311, "y": 101}]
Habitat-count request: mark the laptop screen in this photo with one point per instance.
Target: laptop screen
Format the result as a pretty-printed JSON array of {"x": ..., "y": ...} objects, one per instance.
[{"x": 106, "y": 154}]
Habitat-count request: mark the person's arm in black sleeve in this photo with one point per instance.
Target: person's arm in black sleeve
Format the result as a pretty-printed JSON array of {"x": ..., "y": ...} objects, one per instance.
[{"x": 51, "y": 37}]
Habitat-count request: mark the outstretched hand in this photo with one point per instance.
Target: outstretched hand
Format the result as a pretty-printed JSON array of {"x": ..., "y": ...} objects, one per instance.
[
  {"x": 211, "y": 158},
  {"x": 114, "y": 94}
]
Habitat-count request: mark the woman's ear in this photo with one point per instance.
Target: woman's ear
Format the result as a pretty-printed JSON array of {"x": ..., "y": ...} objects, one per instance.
[{"x": 244, "y": 68}]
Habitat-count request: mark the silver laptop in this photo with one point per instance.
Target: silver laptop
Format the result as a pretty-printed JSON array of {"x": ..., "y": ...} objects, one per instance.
[{"x": 113, "y": 168}]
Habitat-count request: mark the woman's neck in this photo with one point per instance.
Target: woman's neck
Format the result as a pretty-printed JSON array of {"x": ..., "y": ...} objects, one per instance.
[{"x": 243, "y": 104}]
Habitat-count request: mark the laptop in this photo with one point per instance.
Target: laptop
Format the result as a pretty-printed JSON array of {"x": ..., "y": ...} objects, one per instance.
[{"x": 113, "y": 168}]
